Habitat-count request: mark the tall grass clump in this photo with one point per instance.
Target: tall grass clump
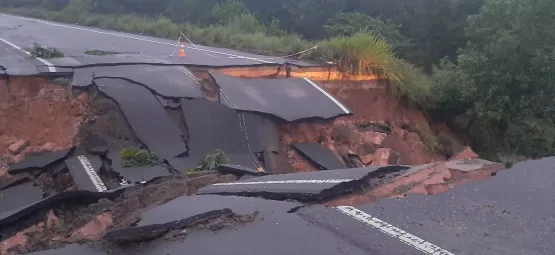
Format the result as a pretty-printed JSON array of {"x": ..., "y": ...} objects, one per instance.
[{"x": 365, "y": 53}]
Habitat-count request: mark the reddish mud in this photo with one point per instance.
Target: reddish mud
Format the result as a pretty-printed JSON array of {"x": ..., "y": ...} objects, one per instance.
[{"x": 37, "y": 115}]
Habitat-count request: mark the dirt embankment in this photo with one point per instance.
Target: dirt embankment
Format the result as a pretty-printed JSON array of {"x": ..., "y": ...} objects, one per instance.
[
  {"x": 381, "y": 131},
  {"x": 37, "y": 115}
]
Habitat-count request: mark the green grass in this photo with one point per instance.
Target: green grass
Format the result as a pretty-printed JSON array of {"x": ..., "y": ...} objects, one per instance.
[
  {"x": 360, "y": 54},
  {"x": 38, "y": 51}
]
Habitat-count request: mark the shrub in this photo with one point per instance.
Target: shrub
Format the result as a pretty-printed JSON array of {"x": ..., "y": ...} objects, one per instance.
[
  {"x": 212, "y": 161},
  {"x": 135, "y": 158}
]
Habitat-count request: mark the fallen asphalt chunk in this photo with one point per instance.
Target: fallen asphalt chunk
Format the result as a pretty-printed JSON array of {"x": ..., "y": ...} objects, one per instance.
[
  {"x": 84, "y": 170},
  {"x": 319, "y": 155},
  {"x": 289, "y": 99},
  {"x": 188, "y": 210},
  {"x": 95, "y": 145},
  {"x": 135, "y": 174},
  {"x": 12, "y": 217},
  {"x": 213, "y": 126},
  {"x": 146, "y": 116},
  {"x": 239, "y": 170},
  {"x": 19, "y": 196},
  {"x": 39, "y": 161},
  {"x": 308, "y": 186}
]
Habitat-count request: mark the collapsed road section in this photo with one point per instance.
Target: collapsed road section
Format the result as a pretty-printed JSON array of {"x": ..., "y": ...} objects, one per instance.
[{"x": 68, "y": 189}]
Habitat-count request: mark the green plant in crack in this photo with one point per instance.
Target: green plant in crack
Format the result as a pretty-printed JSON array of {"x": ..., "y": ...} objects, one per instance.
[
  {"x": 136, "y": 158},
  {"x": 99, "y": 53},
  {"x": 38, "y": 51},
  {"x": 212, "y": 161}
]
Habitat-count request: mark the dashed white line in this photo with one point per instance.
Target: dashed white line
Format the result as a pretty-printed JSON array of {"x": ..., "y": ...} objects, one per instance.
[
  {"x": 335, "y": 181},
  {"x": 51, "y": 67},
  {"x": 328, "y": 95},
  {"x": 136, "y": 38},
  {"x": 403, "y": 236},
  {"x": 97, "y": 182}
]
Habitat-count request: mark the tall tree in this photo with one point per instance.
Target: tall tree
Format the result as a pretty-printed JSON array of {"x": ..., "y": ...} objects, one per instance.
[{"x": 505, "y": 77}]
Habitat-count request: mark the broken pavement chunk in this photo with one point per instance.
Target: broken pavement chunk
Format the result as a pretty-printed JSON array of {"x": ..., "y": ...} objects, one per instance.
[
  {"x": 307, "y": 186},
  {"x": 146, "y": 116},
  {"x": 13, "y": 217},
  {"x": 84, "y": 170},
  {"x": 19, "y": 196},
  {"x": 240, "y": 170},
  {"x": 289, "y": 99},
  {"x": 321, "y": 156},
  {"x": 187, "y": 210},
  {"x": 41, "y": 160},
  {"x": 96, "y": 145}
]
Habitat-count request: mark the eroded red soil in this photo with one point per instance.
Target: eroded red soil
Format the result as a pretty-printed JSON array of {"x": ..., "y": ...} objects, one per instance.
[
  {"x": 37, "y": 115},
  {"x": 373, "y": 107}
]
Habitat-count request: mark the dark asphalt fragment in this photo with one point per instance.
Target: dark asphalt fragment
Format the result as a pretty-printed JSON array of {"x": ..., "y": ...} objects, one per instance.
[
  {"x": 84, "y": 170},
  {"x": 319, "y": 155},
  {"x": 95, "y": 145},
  {"x": 239, "y": 170},
  {"x": 12, "y": 217},
  {"x": 189, "y": 210},
  {"x": 39, "y": 161},
  {"x": 308, "y": 186},
  {"x": 19, "y": 196},
  {"x": 146, "y": 116},
  {"x": 168, "y": 81},
  {"x": 289, "y": 99}
]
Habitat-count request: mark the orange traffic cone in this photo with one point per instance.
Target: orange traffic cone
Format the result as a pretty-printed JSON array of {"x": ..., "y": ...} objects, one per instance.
[{"x": 182, "y": 51}]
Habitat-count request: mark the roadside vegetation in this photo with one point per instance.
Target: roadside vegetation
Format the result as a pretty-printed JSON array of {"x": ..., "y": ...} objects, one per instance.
[
  {"x": 487, "y": 66},
  {"x": 38, "y": 51}
]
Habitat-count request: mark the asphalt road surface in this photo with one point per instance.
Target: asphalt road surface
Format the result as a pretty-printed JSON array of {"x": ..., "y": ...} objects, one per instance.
[{"x": 74, "y": 40}]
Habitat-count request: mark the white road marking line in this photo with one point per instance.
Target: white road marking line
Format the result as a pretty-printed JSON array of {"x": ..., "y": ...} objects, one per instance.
[
  {"x": 97, "y": 182},
  {"x": 328, "y": 95},
  {"x": 403, "y": 236},
  {"x": 137, "y": 38},
  {"x": 285, "y": 182},
  {"x": 51, "y": 67}
]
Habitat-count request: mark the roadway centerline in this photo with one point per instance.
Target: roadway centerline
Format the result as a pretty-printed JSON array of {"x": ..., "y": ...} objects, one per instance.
[
  {"x": 386, "y": 228},
  {"x": 285, "y": 182},
  {"x": 137, "y": 38},
  {"x": 51, "y": 67}
]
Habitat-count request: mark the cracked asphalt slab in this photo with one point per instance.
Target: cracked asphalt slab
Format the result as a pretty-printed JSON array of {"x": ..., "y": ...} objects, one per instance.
[
  {"x": 167, "y": 81},
  {"x": 289, "y": 99},
  {"x": 307, "y": 186},
  {"x": 157, "y": 131},
  {"x": 74, "y": 40}
]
